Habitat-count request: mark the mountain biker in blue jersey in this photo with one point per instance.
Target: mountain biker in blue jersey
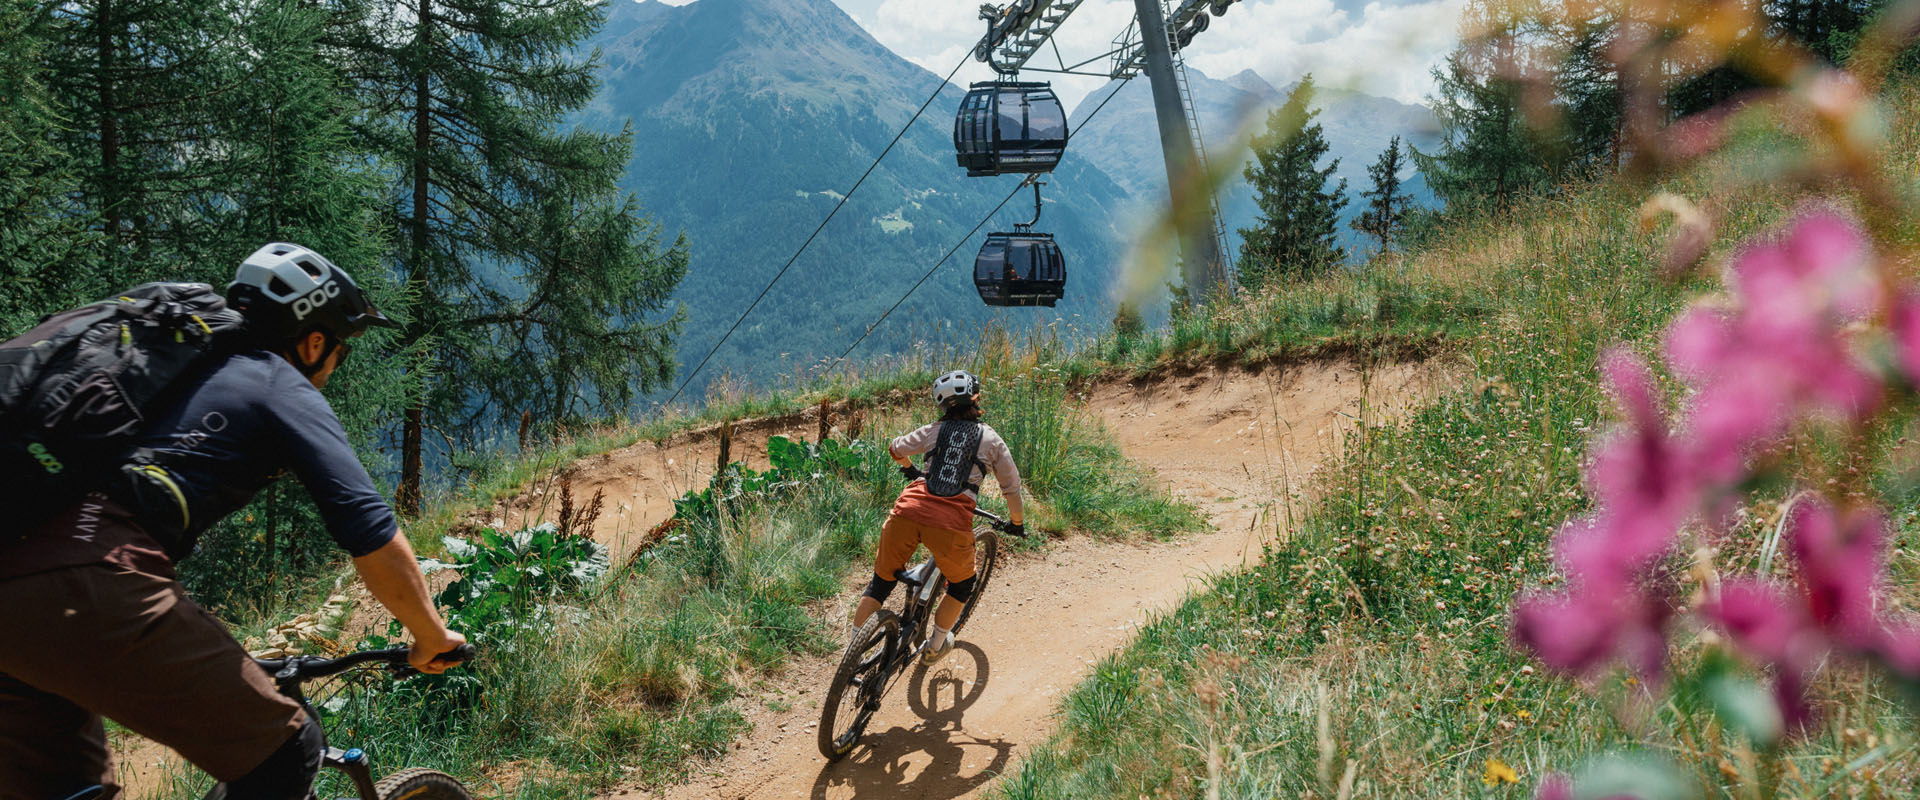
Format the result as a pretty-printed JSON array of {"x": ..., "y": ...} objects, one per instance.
[
  {"x": 96, "y": 624},
  {"x": 936, "y": 509}
]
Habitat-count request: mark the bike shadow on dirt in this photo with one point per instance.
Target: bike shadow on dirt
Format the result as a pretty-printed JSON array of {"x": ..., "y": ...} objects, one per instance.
[{"x": 950, "y": 761}]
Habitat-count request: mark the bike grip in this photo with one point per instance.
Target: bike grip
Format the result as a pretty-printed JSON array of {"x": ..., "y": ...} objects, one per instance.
[{"x": 458, "y": 655}]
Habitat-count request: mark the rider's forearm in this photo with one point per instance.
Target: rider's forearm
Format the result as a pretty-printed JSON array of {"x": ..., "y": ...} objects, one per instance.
[
  {"x": 899, "y": 459},
  {"x": 393, "y": 576},
  {"x": 1016, "y": 512}
]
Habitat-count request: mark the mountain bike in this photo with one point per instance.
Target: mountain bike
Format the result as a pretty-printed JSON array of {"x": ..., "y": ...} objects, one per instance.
[
  {"x": 881, "y": 650},
  {"x": 407, "y": 784}
]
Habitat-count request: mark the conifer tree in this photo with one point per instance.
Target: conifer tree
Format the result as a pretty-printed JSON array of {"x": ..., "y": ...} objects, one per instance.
[
  {"x": 1386, "y": 204},
  {"x": 1488, "y": 154},
  {"x": 138, "y": 86},
  {"x": 43, "y": 236},
  {"x": 532, "y": 279},
  {"x": 1299, "y": 213}
]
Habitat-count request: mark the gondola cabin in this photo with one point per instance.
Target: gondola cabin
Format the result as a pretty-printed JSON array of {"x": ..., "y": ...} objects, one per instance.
[
  {"x": 1020, "y": 269},
  {"x": 1004, "y": 127}
]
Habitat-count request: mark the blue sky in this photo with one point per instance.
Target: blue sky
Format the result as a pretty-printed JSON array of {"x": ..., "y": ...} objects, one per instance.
[{"x": 1383, "y": 47}]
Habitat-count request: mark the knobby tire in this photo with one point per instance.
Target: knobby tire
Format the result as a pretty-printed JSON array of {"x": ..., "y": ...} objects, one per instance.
[
  {"x": 859, "y": 680},
  {"x": 414, "y": 783}
]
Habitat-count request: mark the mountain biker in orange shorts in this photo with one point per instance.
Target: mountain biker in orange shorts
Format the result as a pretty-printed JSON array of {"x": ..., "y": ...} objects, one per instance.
[{"x": 936, "y": 508}]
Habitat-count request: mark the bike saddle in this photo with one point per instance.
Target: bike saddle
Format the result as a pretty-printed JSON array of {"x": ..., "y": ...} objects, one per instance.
[{"x": 915, "y": 577}]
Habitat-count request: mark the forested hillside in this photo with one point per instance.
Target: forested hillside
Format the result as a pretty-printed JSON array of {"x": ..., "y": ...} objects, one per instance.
[{"x": 752, "y": 116}]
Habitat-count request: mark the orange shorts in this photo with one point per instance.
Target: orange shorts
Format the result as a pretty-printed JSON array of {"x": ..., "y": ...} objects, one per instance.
[{"x": 952, "y": 550}]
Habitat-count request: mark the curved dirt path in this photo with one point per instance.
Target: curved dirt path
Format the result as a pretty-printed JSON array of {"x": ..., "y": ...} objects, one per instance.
[{"x": 1237, "y": 444}]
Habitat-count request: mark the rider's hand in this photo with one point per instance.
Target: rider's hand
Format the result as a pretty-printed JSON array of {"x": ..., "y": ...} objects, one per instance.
[
  {"x": 1016, "y": 529},
  {"x": 428, "y": 649}
]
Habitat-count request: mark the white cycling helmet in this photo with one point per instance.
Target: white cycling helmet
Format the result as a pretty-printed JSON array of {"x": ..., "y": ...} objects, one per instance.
[
  {"x": 285, "y": 290},
  {"x": 954, "y": 387}
]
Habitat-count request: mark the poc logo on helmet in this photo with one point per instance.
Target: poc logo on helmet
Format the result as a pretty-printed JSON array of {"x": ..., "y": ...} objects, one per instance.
[
  {"x": 315, "y": 299},
  {"x": 47, "y": 461}
]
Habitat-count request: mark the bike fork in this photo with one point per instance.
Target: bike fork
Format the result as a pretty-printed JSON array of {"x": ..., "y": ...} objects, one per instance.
[{"x": 356, "y": 764}]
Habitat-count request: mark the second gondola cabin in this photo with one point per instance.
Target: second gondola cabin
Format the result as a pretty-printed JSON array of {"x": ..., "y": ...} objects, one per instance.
[
  {"x": 1020, "y": 268},
  {"x": 1008, "y": 127}
]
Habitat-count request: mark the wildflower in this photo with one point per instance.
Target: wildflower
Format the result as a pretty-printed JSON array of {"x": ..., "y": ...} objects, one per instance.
[
  {"x": 1554, "y": 787},
  {"x": 1839, "y": 560},
  {"x": 1783, "y": 346},
  {"x": 1498, "y": 773}
]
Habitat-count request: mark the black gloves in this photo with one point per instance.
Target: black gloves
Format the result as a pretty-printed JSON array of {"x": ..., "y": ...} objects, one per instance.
[
  {"x": 1015, "y": 529},
  {"x": 912, "y": 472}
]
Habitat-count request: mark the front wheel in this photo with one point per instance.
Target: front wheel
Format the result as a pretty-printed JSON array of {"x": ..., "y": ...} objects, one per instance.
[
  {"x": 986, "y": 551},
  {"x": 414, "y": 783},
  {"x": 854, "y": 695}
]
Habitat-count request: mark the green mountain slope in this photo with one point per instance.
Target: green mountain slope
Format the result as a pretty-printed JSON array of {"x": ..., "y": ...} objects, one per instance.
[{"x": 751, "y": 116}]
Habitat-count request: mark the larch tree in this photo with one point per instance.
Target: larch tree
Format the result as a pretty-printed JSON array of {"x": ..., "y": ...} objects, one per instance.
[
  {"x": 535, "y": 285},
  {"x": 1386, "y": 204},
  {"x": 1294, "y": 235}
]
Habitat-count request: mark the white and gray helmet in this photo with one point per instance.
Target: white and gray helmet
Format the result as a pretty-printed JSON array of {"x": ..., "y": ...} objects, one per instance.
[
  {"x": 954, "y": 387},
  {"x": 285, "y": 290}
]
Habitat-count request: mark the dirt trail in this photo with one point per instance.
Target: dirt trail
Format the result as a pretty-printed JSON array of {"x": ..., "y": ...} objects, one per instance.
[{"x": 1237, "y": 444}]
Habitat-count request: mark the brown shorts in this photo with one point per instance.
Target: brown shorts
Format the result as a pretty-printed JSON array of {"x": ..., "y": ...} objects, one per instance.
[
  {"x": 80, "y": 643},
  {"x": 952, "y": 550}
]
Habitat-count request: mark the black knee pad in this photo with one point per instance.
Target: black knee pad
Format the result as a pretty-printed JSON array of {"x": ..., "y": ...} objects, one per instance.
[
  {"x": 879, "y": 589},
  {"x": 962, "y": 591},
  {"x": 288, "y": 773}
]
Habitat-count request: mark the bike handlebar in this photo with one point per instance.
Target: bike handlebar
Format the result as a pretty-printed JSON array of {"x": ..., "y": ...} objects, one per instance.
[
  {"x": 306, "y": 668},
  {"x": 998, "y": 523}
]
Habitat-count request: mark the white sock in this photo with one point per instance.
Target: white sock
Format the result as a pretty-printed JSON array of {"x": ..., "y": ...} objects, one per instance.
[{"x": 939, "y": 637}]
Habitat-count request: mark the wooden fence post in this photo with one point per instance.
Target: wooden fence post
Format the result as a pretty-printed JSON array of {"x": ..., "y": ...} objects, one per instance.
[
  {"x": 726, "y": 447},
  {"x": 826, "y": 421}
]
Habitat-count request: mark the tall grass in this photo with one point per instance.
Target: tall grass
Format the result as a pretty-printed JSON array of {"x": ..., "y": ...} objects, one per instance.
[{"x": 1367, "y": 656}]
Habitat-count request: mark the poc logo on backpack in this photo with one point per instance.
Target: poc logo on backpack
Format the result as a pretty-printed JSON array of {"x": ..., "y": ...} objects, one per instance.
[{"x": 315, "y": 299}]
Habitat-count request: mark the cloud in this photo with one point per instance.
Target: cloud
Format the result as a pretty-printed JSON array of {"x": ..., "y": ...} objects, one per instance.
[{"x": 1386, "y": 49}]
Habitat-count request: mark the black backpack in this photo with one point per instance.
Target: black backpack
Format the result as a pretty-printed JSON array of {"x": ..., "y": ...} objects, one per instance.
[
  {"x": 77, "y": 389},
  {"x": 951, "y": 460}
]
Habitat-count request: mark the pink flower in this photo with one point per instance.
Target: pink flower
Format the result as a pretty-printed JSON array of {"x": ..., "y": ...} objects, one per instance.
[
  {"x": 1839, "y": 570},
  {"x": 1898, "y": 649},
  {"x": 1765, "y": 620},
  {"x": 1644, "y": 494},
  {"x": 1554, "y": 787},
  {"x": 1905, "y": 325},
  {"x": 1839, "y": 566},
  {"x": 1784, "y": 348},
  {"x": 1639, "y": 476}
]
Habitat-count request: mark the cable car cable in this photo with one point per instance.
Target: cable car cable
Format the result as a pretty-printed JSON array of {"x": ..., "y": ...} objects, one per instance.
[
  {"x": 823, "y": 225},
  {"x": 964, "y": 239},
  {"x": 923, "y": 278}
]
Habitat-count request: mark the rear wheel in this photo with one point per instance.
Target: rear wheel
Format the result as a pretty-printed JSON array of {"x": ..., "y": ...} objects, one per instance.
[
  {"x": 414, "y": 783},
  {"x": 986, "y": 551},
  {"x": 855, "y": 692}
]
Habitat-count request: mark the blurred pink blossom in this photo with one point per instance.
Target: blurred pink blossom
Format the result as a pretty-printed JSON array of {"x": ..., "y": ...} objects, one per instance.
[
  {"x": 1554, "y": 787},
  {"x": 1839, "y": 566},
  {"x": 1783, "y": 348},
  {"x": 1905, "y": 326},
  {"x": 1643, "y": 495}
]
